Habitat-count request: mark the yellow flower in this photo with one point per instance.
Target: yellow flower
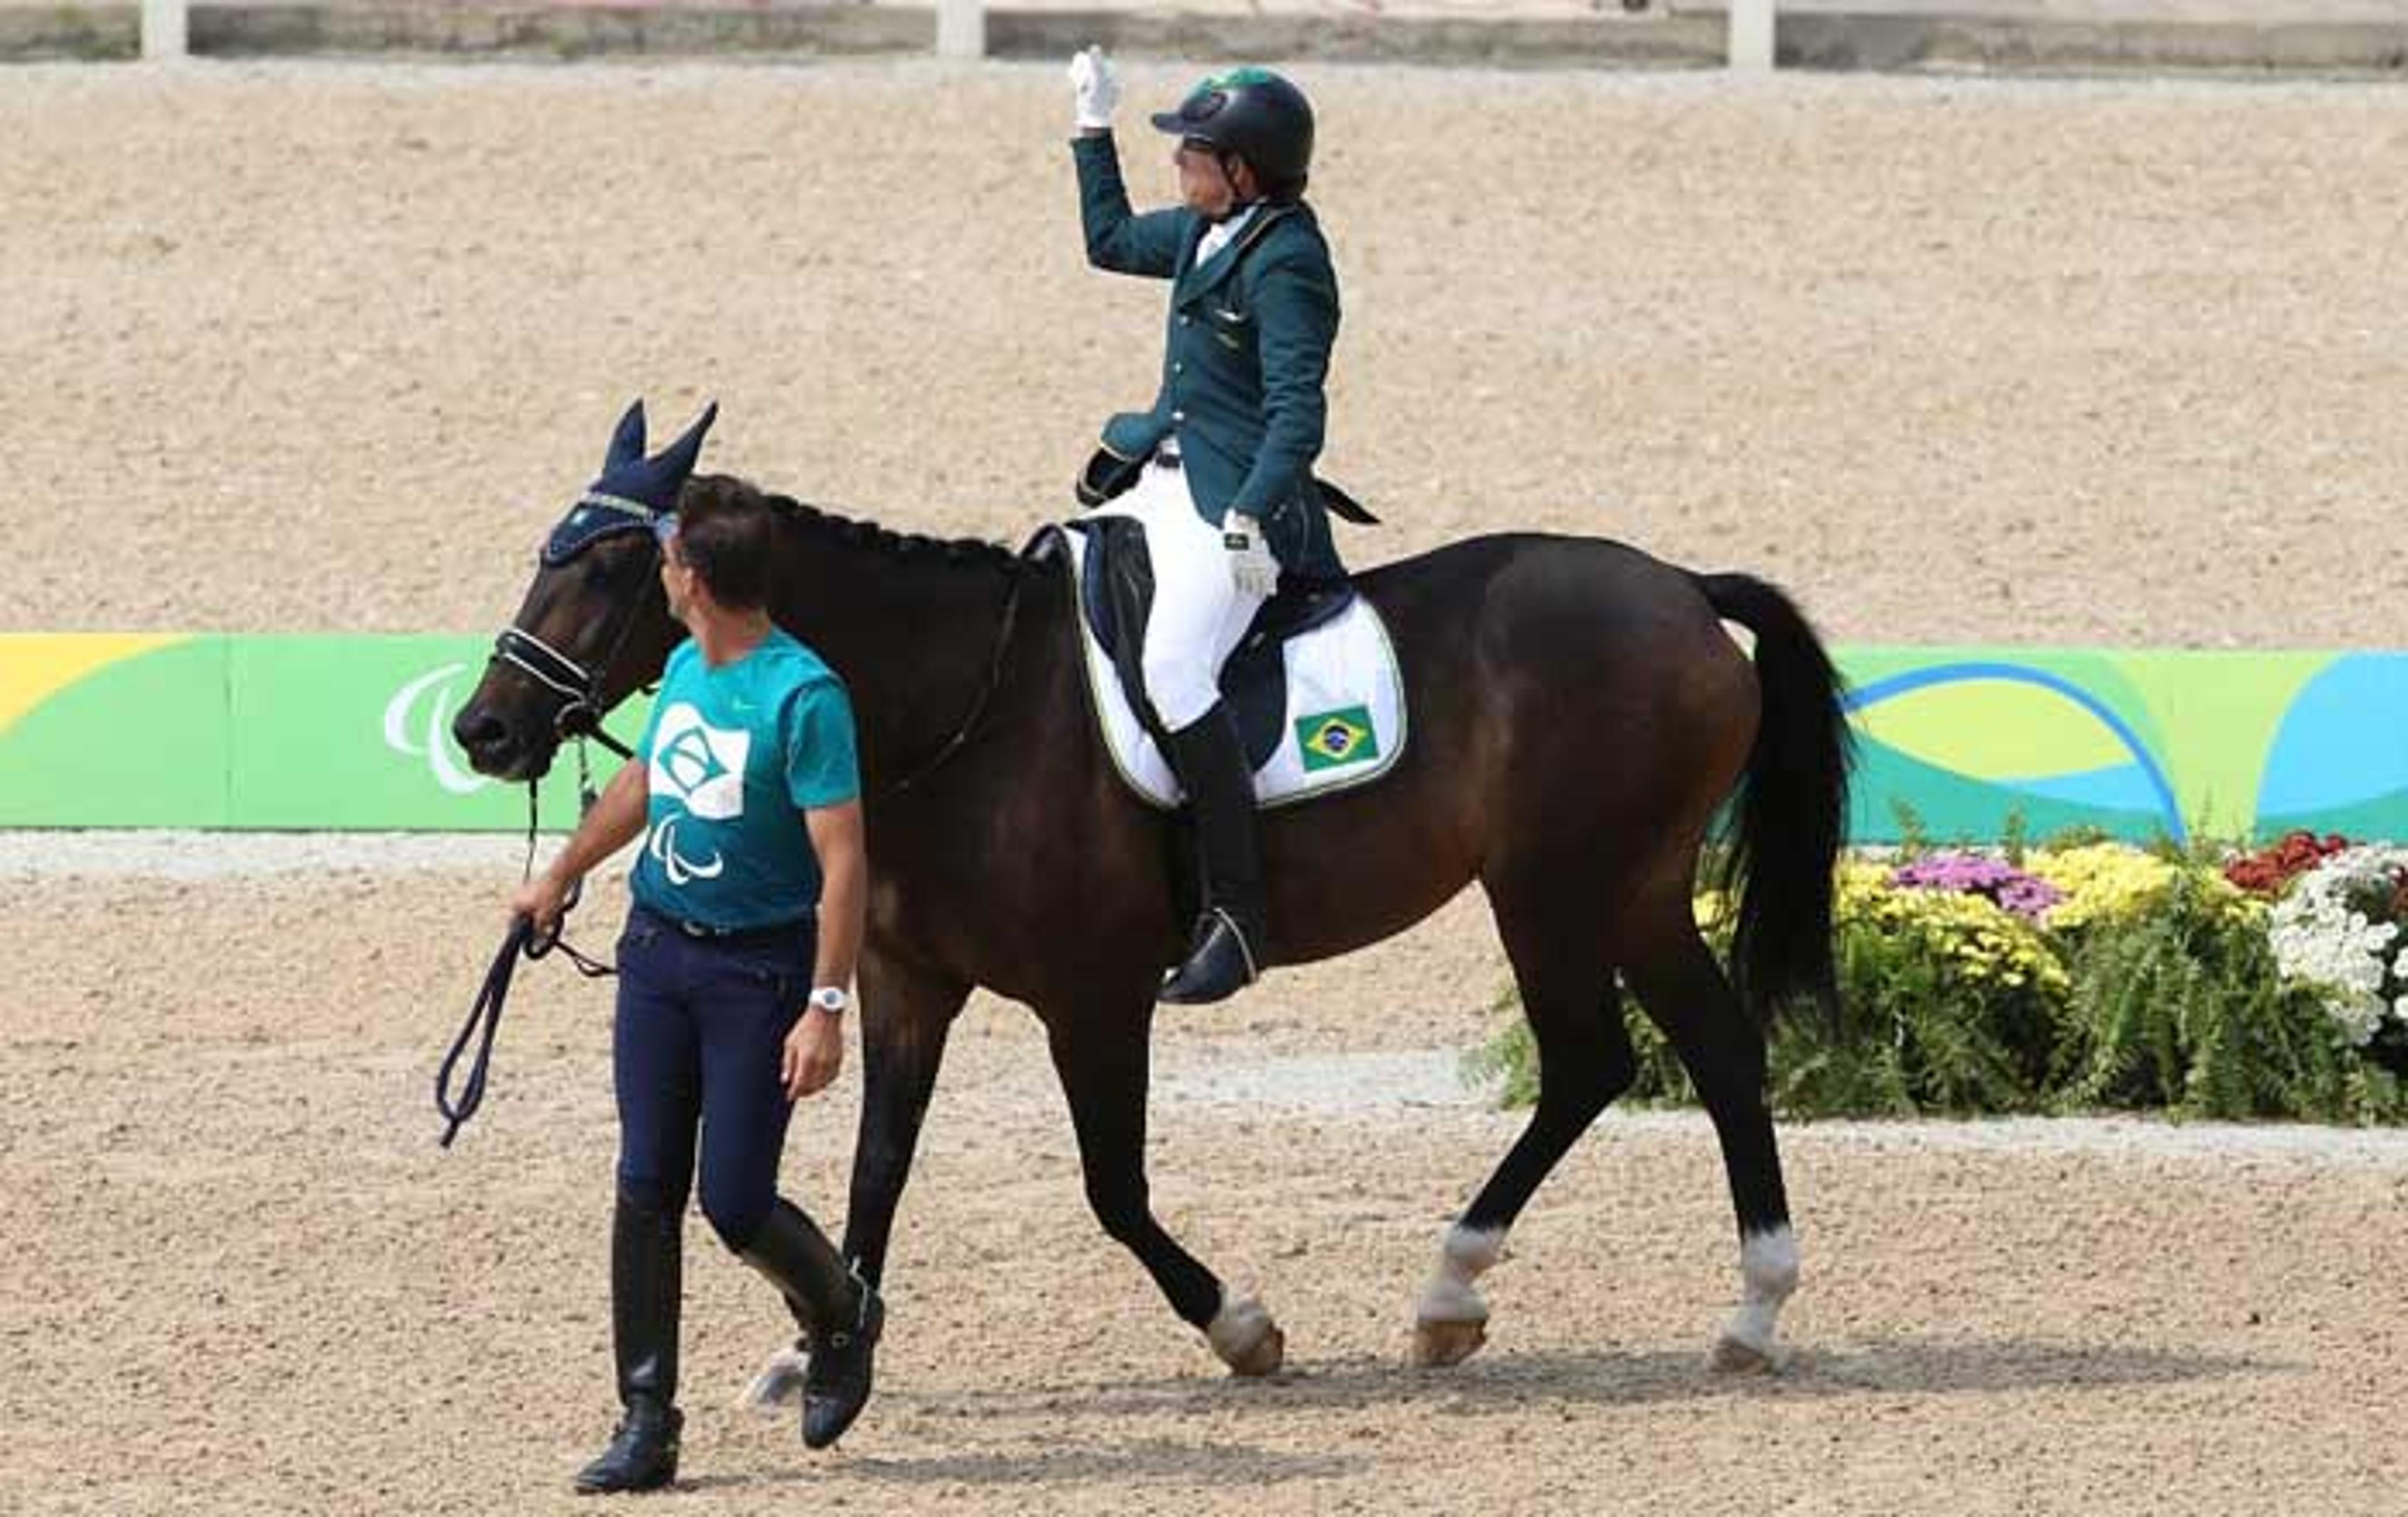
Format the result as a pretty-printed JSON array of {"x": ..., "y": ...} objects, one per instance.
[{"x": 2115, "y": 881}]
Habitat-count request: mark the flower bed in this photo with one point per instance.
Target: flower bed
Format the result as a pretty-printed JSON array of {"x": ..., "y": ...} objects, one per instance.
[{"x": 2090, "y": 975}]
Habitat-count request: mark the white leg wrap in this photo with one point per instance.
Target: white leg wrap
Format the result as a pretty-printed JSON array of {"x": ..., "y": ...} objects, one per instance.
[
  {"x": 1244, "y": 1337},
  {"x": 1768, "y": 1267},
  {"x": 1462, "y": 1258},
  {"x": 780, "y": 1381}
]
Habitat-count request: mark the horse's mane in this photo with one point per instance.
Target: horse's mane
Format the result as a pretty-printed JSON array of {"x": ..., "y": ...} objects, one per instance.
[{"x": 855, "y": 534}]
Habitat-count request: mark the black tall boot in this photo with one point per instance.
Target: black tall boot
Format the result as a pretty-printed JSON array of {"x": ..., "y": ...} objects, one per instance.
[
  {"x": 1224, "y": 953},
  {"x": 646, "y": 1284},
  {"x": 840, "y": 1314}
]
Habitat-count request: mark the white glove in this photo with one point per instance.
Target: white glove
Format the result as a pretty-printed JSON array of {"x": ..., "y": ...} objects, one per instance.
[
  {"x": 1252, "y": 566},
  {"x": 1098, "y": 88}
]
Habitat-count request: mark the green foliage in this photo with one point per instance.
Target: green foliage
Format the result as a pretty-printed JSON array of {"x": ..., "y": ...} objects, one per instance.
[
  {"x": 2179, "y": 1007},
  {"x": 1912, "y": 837},
  {"x": 2162, "y": 995},
  {"x": 2014, "y": 836}
]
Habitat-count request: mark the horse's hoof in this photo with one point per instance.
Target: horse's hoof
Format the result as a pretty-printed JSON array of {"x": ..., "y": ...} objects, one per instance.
[
  {"x": 1246, "y": 1338},
  {"x": 1265, "y": 1358},
  {"x": 1736, "y": 1357},
  {"x": 1439, "y": 1344},
  {"x": 779, "y": 1386}
]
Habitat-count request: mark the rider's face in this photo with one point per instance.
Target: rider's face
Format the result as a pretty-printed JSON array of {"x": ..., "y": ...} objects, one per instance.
[{"x": 1202, "y": 185}]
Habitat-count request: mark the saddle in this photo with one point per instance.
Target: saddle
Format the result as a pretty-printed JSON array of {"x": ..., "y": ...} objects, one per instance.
[
  {"x": 1116, "y": 593},
  {"x": 1313, "y": 685}
]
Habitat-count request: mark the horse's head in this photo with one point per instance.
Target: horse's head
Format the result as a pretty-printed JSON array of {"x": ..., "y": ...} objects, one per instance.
[{"x": 595, "y": 625}]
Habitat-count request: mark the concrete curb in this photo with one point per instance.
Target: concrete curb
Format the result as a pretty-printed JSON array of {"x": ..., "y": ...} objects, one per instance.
[{"x": 1808, "y": 39}]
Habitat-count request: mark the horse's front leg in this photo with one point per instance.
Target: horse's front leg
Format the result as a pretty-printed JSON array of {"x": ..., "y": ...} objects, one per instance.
[
  {"x": 907, "y": 1010},
  {"x": 1101, "y": 1057}
]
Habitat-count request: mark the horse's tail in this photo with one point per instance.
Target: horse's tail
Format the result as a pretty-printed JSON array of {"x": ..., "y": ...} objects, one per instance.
[{"x": 1789, "y": 816}]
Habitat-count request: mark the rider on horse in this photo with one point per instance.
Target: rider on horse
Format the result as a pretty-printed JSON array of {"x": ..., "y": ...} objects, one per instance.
[{"x": 1219, "y": 470}]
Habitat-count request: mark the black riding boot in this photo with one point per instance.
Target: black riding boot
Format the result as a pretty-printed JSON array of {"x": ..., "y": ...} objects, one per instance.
[
  {"x": 840, "y": 1314},
  {"x": 1223, "y": 952},
  {"x": 646, "y": 1256}
]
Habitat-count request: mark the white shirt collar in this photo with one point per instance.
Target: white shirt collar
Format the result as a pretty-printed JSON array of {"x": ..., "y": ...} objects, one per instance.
[{"x": 1217, "y": 237}]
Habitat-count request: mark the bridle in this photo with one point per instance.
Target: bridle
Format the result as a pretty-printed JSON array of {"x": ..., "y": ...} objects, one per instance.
[
  {"x": 579, "y": 716},
  {"x": 579, "y": 689}
]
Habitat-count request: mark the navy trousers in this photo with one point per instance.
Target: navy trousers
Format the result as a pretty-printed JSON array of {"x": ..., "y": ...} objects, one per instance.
[{"x": 696, "y": 1049}]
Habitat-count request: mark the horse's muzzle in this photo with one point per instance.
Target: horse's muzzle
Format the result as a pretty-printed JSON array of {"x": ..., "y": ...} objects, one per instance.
[{"x": 494, "y": 750}]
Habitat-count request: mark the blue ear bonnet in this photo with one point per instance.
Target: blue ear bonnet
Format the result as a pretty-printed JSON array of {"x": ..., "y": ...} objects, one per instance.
[{"x": 633, "y": 491}]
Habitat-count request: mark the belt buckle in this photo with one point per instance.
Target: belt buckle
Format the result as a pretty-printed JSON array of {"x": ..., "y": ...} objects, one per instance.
[{"x": 1166, "y": 456}]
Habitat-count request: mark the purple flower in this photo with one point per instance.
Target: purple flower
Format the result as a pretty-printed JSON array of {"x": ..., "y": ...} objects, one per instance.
[{"x": 1973, "y": 874}]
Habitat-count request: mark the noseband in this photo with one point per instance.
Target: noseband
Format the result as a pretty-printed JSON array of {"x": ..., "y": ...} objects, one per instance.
[{"x": 579, "y": 713}]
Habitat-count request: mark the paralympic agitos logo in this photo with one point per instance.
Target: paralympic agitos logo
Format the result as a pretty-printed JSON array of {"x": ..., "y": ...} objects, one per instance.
[{"x": 417, "y": 724}]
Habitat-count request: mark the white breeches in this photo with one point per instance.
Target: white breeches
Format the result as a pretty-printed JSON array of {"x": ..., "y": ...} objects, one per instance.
[{"x": 1198, "y": 613}]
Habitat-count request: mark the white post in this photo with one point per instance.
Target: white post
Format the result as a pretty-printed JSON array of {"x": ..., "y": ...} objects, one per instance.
[
  {"x": 1751, "y": 35},
  {"x": 961, "y": 28},
  {"x": 162, "y": 28}
]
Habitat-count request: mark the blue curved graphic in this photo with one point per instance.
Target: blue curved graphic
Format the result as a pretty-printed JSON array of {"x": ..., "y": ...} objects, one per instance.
[
  {"x": 1865, "y": 696},
  {"x": 2340, "y": 743}
]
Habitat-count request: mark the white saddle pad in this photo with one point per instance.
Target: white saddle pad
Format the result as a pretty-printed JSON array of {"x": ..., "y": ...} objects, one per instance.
[{"x": 1344, "y": 725}]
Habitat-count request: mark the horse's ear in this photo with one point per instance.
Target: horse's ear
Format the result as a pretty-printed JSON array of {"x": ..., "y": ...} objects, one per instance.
[
  {"x": 676, "y": 461},
  {"x": 627, "y": 443}
]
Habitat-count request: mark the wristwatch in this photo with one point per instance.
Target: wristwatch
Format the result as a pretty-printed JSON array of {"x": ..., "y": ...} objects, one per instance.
[{"x": 831, "y": 999}]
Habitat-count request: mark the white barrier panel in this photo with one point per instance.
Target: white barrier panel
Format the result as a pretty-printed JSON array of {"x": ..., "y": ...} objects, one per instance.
[
  {"x": 961, "y": 28},
  {"x": 1751, "y": 35},
  {"x": 163, "y": 29}
]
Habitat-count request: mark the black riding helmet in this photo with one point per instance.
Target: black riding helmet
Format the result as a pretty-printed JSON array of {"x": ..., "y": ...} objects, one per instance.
[{"x": 1254, "y": 114}]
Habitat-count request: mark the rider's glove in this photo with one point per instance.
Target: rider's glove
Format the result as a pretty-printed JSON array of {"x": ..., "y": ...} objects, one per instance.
[
  {"x": 1095, "y": 89},
  {"x": 1251, "y": 563}
]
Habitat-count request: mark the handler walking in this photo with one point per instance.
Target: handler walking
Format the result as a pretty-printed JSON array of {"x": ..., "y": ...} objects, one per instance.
[
  {"x": 1219, "y": 470},
  {"x": 746, "y": 922}
]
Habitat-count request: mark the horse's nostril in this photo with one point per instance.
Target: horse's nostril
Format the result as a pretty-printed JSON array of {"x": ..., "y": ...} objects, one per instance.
[{"x": 477, "y": 730}]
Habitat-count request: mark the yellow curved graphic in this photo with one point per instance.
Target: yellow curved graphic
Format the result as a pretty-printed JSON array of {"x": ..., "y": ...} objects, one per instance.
[
  {"x": 1993, "y": 732},
  {"x": 36, "y": 665}
]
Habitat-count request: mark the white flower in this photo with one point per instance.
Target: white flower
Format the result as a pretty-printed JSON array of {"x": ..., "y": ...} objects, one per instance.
[{"x": 2323, "y": 941}]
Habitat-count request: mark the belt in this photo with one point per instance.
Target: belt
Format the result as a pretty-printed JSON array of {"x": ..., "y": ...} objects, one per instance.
[
  {"x": 1166, "y": 456},
  {"x": 777, "y": 932}
]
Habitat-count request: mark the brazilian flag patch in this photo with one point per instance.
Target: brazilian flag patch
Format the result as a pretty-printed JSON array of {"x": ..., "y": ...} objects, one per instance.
[{"x": 1329, "y": 739}]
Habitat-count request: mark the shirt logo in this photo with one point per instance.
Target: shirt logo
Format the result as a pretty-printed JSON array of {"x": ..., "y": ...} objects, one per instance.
[
  {"x": 701, "y": 765},
  {"x": 680, "y": 869},
  {"x": 701, "y": 768}
]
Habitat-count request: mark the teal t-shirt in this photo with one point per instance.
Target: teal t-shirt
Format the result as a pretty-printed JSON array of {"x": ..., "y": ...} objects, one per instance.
[{"x": 733, "y": 757}]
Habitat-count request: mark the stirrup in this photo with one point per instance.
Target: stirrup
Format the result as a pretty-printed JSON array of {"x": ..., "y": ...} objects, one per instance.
[{"x": 1219, "y": 964}]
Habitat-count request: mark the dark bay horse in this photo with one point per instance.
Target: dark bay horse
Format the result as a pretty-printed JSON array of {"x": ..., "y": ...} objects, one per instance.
[{"x": 1579, "y": 715}]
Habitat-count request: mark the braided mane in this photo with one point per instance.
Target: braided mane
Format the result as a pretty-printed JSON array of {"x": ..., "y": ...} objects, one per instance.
[{"x": 867, "y": 535}]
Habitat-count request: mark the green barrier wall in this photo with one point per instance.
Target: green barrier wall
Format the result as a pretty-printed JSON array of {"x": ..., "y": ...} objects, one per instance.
[{"x": 347, "y": 732}]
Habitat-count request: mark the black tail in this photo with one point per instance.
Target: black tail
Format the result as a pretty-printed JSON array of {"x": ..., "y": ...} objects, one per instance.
[{"x": 1791, "y": 812}]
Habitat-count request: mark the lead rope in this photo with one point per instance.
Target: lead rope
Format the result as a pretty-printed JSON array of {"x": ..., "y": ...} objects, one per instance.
[{"x": 522, "y": 941}]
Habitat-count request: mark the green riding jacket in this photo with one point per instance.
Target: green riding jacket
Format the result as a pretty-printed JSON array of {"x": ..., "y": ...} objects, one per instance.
[{"x": 1244, "y": 369}]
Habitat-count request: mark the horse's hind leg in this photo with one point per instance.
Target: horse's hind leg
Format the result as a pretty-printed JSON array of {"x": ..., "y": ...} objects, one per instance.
[
  {"x": 1584, "y": 1061},
  {"x": 1102, "y": 1062},
  {"x": 1683, "y": 989},
  {"x": 905, "y": 1013}
]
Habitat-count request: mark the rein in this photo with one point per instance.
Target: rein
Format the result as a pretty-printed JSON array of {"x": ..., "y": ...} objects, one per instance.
[
  {"x": 962, "y": 734},
  {"x": 485, "y": 1012}
]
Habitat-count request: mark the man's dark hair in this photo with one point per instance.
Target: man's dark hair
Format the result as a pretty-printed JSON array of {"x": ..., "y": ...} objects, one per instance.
[{"x": 730, "y": 542}]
